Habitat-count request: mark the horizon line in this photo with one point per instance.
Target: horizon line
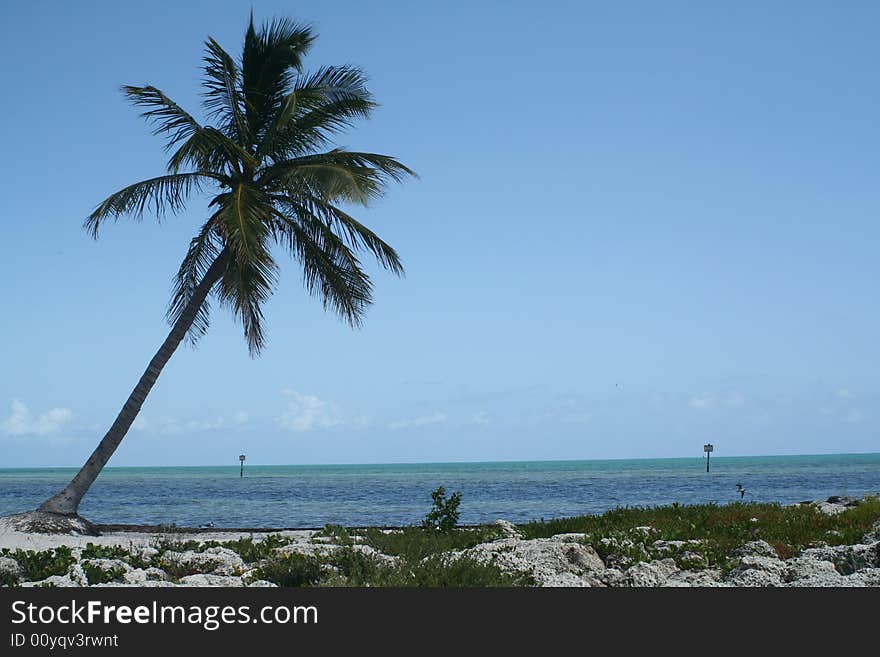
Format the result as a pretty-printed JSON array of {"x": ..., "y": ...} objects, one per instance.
[{"x": 476, "y": 462}]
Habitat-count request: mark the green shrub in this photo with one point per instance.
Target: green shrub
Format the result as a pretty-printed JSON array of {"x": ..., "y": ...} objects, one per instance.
[
  {"x": 336, "y": 533},
  {"x": 176, "y": 569},
  {"x": 92, "y": 551},
  {"x": 250, "y": 550},
  {"x": 164, "y": 544},
  {"x": 349, "y": 567},
  {"x": 130, "y": 556},
  {"x": 95, "y": 574},
  {"x": 291, "y": 570},
  {"x": 40, "y": 565},
  {"x": 444, "y": 514},
  {"x": 8, "y": 579}
]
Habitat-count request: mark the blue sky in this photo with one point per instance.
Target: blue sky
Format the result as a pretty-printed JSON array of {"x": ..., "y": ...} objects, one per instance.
[{"x": 638, "y": 228}]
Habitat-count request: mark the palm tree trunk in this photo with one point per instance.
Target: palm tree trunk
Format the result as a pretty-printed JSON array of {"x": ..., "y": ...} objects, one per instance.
[{"x": 67, "y": 501}]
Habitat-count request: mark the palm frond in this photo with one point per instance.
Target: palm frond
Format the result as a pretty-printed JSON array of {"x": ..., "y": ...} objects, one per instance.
[
  {"x": 222, "y": 96},
  {"x": 269, "y": 61},
  {"x": 161, "y": 194},
  {"x": 360, "y": 235},
  {"x": 208, "y": 149},
  {"x": 355, "y": 234},
  {"x": 203, "y": 250},
  {"x": 321, "y": 104},
  {"x": 244, "y": 222},
  {"x": 336, "y": 175},
  {"x": 168, "y": 117},
  {"x": 244, "y": 288},
  {"x": 330, "y": 270}
]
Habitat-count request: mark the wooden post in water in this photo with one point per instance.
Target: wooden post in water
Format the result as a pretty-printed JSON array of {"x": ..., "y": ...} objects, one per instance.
[
  {"x": 708, "y": 449},
  {"x": 241, "y": 458}
]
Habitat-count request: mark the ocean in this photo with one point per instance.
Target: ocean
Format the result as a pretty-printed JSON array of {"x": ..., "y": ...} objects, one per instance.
[{"x": 309, "y": 496}]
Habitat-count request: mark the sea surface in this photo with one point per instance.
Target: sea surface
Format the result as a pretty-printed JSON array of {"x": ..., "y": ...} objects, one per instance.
[{"x": 395, "y": 495}]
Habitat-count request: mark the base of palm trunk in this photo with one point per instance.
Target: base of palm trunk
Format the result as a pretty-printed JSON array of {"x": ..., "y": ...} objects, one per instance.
[{"x": 43, "y": 522}]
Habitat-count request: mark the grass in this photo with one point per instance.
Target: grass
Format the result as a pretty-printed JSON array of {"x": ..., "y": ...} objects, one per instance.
[
  {"x": 441, "y": 570},
  {"x": 415, "y": 543},
  {"x": 721, "y": 529},
  {"x": 353, "y": 568},
  {"x": 291, "y": 570}
]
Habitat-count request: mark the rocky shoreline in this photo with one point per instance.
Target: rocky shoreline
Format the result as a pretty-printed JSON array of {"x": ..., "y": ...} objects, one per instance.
[{"x": 638, "y": 557}]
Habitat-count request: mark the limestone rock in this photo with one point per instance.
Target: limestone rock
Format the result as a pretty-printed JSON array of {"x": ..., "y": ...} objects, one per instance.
[
  {"x": 650, "y": 573},
  {"x": 309, "y": 549},
  {"x": 708, "y": 577},
  {"x": 138, "y": 576},
  {"x": 550, "y": 561},
  {"x": 868, "y": 577},
  {"x": 847, "y": 559},
  {"x": 508, "y": 529},
  {"x": 216, "y": 560},
  {"x": 845, "y": 500},
  {"x": 612, "y": 577},
  {"x": 60, "y": 581},
  {"x": 11, "y": 566},
  {"x": 805, "y": 568},
  {"x": 210, "y": 580},
  {"x": 758, "y": 571},
  {"x": 757, "y": 549},
  {"x": 573, "y": 537},
  {"x": 829, "y": 508}
]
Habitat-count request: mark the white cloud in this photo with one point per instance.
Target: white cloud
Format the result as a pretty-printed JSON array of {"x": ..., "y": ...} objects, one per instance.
[
  {"x": 171, "y": 426},
  {"x": 206, "y": 425},
  {"x": 706, "y": 400},
  {"x": 421, "y": 421},
  {"x": 854, "y": 416},
  {"x": 21, "y": 422},
  {"x": 734, "y": 399},
  {"x": 703, "y": 400},
  {"x": 481, "y": 418},
  {"x": 308, "y": 412},
  {"x": 576, "y": 418},
  {"x": 361, "y": 422}
]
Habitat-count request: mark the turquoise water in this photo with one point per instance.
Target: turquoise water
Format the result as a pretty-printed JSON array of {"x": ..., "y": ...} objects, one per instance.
[{"x": 360, "y": 495}]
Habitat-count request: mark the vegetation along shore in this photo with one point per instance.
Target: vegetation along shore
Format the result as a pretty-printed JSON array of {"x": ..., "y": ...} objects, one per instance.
[{"x": 835, "y": 542}]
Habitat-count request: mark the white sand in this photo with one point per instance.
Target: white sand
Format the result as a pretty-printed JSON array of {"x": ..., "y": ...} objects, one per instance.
[{"x": 14, "y": 539}]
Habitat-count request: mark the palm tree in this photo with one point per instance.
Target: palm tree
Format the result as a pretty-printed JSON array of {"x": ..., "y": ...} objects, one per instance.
[{"x": 274, "y": 185}]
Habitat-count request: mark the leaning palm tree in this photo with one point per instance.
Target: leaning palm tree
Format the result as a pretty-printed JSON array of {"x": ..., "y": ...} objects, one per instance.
[{"x": 276, "y": 181}]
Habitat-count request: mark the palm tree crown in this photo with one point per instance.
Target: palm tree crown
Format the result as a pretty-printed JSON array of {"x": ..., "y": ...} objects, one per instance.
[
  {"x": 274, "y": 185},
  {"x": 274, "y": 181}
]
